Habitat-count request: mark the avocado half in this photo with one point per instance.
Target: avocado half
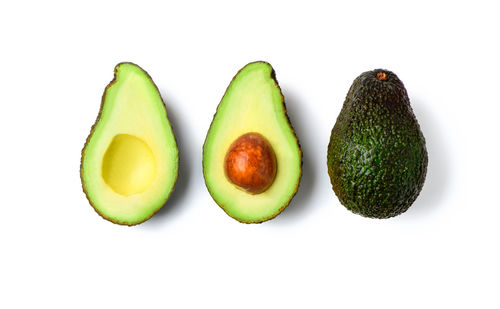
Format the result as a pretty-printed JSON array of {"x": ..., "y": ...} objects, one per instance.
[
  {"x": 377, "y": 158},
  {"x": 252, "y": 109},
  {"x": 130, "y": 160}
]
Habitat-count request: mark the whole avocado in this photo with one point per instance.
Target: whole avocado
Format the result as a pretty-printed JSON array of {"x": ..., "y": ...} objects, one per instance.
[{"x": 377, "y": 159}]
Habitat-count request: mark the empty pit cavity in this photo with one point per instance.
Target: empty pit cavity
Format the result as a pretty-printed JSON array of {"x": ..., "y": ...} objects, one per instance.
[{"x": 128, "y": 166}]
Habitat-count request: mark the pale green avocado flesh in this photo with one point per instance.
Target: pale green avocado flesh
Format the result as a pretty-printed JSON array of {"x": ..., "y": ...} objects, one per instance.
[
  {"x": 130, "y": 160},
  {"x": 252, "y": 103}
]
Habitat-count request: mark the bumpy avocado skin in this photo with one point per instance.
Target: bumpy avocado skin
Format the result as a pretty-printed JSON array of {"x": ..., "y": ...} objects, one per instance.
[{"x": 377, "y": 159}]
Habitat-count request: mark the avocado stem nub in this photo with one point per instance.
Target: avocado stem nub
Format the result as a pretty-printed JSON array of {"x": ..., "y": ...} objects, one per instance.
[{"x": 381, "y": 76}]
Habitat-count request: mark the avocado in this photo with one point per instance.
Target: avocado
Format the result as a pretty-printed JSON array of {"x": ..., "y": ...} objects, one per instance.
[
  {"x": 130, "y": 160},
  {"x": 377, "y": 159},
  {"x": 252, "y": 161}
]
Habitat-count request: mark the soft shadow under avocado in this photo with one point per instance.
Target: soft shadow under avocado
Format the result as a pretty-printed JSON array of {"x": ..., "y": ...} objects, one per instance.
[
  {"x": 177, "y": 198},
  {"x": 300, "y": 119}
]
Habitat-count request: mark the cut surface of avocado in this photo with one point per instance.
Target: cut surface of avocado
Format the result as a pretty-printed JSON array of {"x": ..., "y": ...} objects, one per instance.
[
  {"x": 130, "y": 160},
  {"x": 252, "y": 106}
]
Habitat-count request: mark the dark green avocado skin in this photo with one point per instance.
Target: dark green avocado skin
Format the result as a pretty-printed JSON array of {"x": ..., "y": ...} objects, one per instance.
[{"x": 377, "y": 159}]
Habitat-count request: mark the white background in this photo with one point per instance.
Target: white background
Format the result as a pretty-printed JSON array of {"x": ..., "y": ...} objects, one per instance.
[{"x": 56, "y": 252}]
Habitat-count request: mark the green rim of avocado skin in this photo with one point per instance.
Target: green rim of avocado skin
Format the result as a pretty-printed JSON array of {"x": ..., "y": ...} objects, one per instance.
[
  {"x": 253, "y": 102},
  {"x": 377, "y": 158},
  {"x": 129, "y": 163}
]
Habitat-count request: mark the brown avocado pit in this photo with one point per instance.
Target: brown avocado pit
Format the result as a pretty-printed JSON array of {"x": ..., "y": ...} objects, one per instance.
[{"x": 250, "y": 163}]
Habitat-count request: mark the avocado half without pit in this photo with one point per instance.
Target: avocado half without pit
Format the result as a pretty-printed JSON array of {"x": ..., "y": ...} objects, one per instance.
[
  {"x": 251, "y": 156},
  {"x": 377, "y": 158},
  {"x": 130, "y": 159}
]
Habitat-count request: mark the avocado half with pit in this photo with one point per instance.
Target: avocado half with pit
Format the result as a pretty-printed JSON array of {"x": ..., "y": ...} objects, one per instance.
[
  {"x": 130, "y": 160},
  {"x": 251, "y": 157}
]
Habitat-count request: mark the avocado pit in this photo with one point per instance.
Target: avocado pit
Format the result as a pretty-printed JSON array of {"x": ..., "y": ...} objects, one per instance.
[{"x": 250, "y": 163}]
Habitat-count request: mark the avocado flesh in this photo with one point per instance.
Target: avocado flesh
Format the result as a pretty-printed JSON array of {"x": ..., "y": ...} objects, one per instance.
[
  {"x": 252, "y": 103},
  {"x": 130, "y": 160},
  {"x": 377, "y": 158}
]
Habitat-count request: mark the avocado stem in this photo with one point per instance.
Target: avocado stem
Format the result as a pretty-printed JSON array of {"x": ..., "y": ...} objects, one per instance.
[{"x": 381, "y": 76}]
